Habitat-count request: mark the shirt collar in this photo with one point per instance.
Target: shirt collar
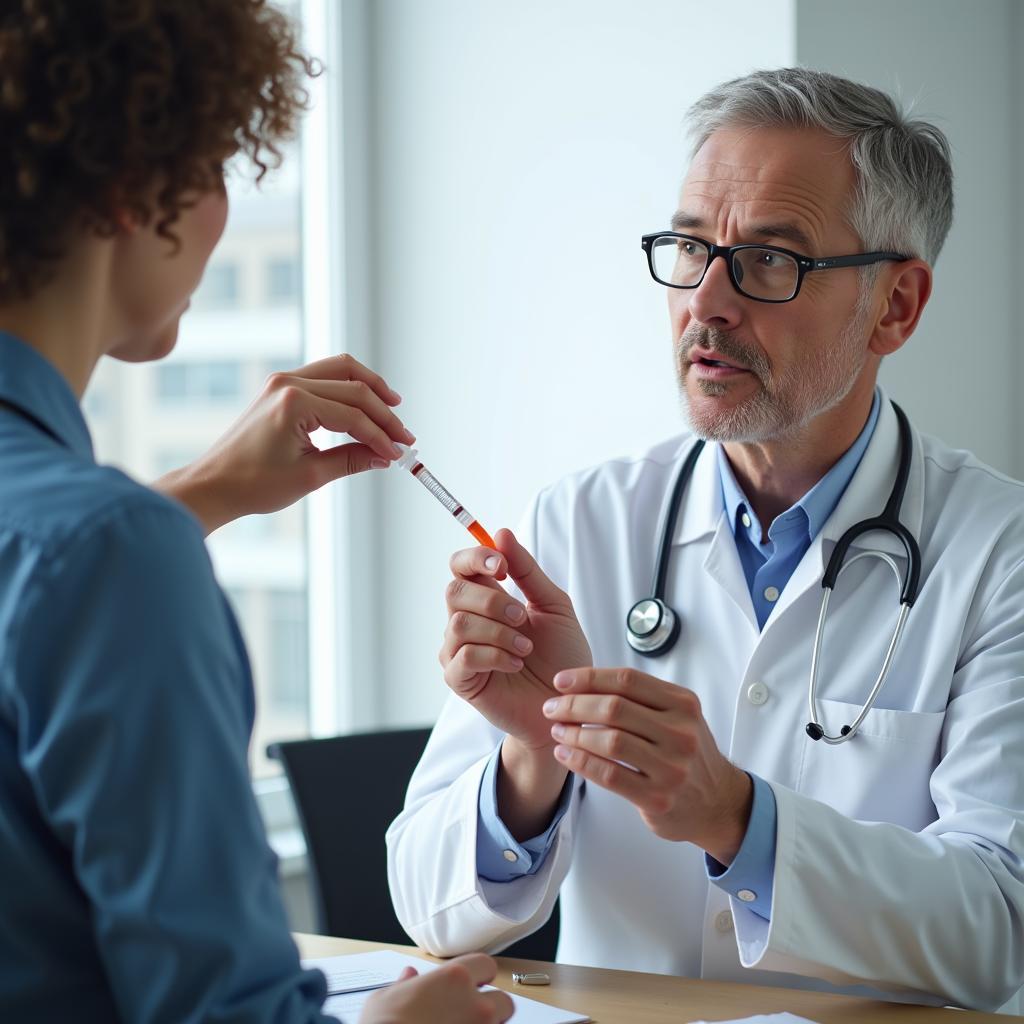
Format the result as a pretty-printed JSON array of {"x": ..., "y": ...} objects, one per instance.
[
  {"x": 816, "y": 505},
  {"x": 33, "y": 385}
]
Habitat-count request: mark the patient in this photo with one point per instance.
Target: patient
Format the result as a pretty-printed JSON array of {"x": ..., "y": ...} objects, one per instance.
[{"x": 137, "y": 880}]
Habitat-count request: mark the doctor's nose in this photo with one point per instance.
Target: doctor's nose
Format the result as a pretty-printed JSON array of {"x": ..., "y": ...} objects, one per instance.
[{"x": 715, "y": 302}]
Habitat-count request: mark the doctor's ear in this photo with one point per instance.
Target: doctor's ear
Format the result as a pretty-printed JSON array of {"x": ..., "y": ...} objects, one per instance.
[{"x": 906, "y": 288}]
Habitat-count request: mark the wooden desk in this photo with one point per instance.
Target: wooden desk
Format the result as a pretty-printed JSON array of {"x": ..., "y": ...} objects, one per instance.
[{"x": 627, "y": 997}]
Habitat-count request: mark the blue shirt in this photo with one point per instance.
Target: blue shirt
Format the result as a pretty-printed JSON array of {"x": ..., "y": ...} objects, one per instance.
[
  {"x": 768, "y": 567},
  {"x": 137, "y": 883}
]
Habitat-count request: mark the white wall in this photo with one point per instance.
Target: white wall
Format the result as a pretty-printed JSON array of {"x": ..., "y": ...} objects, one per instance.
[
  {"x": 518, "y": 152},
  {"x": 959, "y": 376}
]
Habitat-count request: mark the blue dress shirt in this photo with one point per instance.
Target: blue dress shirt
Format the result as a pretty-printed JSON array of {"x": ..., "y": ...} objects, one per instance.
[
  {"x": 768, "y": 567},
  {"x": 137, "y": 883}
]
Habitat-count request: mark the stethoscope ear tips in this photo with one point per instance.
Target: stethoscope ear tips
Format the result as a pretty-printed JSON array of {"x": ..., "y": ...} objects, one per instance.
[{"x": 814, "y": 730}]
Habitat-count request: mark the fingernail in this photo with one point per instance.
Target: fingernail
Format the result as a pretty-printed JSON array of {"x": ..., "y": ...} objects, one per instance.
[
  {"x": 551, "y": 706},
  {"x": 514, "y": 612},
  {"x": 522, "y": 644},
  {"x": 395, "y": 394},
  {"x": 410, "y": 437},
  {"x": 563, "y": 680},
  {"x": 558, "y": 731},
  {"x": 379, "y": 464},
  {"x": 491, "y": 562},
  {"x": 517, "y": 664},
  {"x": 562, "y": 753}
]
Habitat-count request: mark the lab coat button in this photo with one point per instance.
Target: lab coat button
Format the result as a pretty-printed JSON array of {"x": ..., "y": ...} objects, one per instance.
[
  {"x": 747, "y": 895},
  {"x": 723, "y": 922},
  {"x": 771, "y": 593},
  {"x": 757, "y": 693},
  {"x": 510, "y": 855},
  {"x": 745, "y": 520}
]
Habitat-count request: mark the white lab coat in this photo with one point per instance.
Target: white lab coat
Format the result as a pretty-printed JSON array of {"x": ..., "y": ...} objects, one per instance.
[{"x": 899, "y": 854}]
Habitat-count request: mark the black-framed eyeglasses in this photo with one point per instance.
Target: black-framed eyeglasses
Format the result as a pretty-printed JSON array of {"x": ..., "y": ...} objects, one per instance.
[{"x": 766, "y": 273}]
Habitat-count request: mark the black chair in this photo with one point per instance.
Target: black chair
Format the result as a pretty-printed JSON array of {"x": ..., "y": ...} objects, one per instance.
[{"x": 347, "y": 791}]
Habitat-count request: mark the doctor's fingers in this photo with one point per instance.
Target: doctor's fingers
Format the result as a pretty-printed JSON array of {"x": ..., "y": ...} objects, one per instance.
[
  {"x": 634, "y": 785},
  {"x": 608, "y": 709},
  {"x": 612, "y": 744},
  {"x": 478, "y": 562},
  {"x": 466, "y": 628},
  {"x": 473, "y": 662},
  {"x": 628, "y": 682},
  {"x": 482, "y": 596}
]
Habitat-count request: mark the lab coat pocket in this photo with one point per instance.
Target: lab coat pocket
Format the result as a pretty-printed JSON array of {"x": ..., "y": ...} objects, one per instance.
[{"x": 880, "y": 774}]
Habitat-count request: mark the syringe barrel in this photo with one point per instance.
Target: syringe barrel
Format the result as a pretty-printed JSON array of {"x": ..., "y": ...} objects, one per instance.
[
  {"x": 438, "y": 490},
  {"x": 410, "y": 462}
]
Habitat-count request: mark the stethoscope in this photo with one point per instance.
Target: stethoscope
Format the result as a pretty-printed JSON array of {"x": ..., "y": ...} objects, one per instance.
[{"x": 652, "y": 627}]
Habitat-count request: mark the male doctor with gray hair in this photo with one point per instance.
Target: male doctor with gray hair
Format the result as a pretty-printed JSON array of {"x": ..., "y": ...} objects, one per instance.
[{"x": 695, "y": 814}]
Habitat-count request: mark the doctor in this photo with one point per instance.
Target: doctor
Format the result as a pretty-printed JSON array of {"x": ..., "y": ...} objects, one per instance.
[{"x": 695, "y": 827}]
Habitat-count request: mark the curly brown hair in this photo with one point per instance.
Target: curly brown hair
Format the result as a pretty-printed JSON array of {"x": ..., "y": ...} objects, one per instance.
[{"x": 131, "y": 105}]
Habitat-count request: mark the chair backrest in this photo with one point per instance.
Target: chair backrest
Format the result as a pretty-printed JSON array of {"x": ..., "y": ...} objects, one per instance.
[{"x": 347, "y": 791}]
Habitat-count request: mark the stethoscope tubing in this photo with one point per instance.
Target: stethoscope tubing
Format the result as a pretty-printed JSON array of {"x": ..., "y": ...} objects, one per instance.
[{"x": 887, "y": 522}]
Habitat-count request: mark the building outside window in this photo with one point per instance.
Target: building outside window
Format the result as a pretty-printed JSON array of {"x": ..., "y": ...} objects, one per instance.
[
  {"x": 219, "y": 288},
  {"x": 199, "y": 382},
  {"x": 282, "y": 281}
]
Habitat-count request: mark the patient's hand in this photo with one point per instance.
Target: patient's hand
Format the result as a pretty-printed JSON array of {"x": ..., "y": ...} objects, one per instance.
[
  {"x": 450, "y": 994},
  {"x": 266, "y": 460}
]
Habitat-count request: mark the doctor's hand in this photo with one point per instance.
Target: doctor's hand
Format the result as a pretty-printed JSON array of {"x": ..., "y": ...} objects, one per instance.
[
  {"x": 449, "y": 993},
  {"x": 647, "y": 740},
  {"x": 500, "y": 655},
  {"x": 267, "y": 461}
]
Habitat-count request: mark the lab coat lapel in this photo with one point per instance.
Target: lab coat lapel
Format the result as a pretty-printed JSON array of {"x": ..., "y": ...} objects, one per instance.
[{"x": 703, "y": 513}]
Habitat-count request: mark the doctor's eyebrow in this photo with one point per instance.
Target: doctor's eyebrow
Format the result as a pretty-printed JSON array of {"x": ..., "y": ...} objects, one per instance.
[{"x": 683, "y": 221}]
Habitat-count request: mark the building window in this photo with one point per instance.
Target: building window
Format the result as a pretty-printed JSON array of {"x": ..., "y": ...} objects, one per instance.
[
  {"x": 219, "y": 288},
  {"x": 178, "y": 383},
  {"x": 288, "y": 683},
  {"x": 282, "y": 281}
]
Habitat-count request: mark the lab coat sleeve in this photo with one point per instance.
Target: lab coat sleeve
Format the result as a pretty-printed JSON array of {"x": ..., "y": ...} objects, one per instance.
[
  {"x": 879, "y": 904},
  {"x": 439, "y": 897}
]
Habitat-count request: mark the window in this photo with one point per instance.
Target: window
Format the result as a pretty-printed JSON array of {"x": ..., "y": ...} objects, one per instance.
[
  {"x": 282, "y": 281},
  {"x": 219, "y": 287},
  {"x": 289, "y": 649},
  {"x": 177, "y": 383}
]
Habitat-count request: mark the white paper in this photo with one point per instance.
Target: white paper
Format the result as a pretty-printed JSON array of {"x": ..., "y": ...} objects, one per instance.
[
  {"x": 344, "y": 971},
  {"x": 764, "y": 1018},
  {"x": 358, "y": 972}
]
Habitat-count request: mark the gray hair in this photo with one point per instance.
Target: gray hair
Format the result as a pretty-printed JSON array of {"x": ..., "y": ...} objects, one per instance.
[{"x": 904, "y": 195}]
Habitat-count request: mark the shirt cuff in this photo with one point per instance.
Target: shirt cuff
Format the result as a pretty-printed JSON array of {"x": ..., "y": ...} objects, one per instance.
[
  {"x": 499, "y": 858},
  {"x": 751, "y": 875}
]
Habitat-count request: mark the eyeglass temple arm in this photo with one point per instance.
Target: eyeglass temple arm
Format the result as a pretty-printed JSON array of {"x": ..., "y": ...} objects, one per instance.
[{"x": 861, "y": 259}]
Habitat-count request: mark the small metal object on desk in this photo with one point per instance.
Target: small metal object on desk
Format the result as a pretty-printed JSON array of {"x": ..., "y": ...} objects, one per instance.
[{"x": 526, "y": 978}]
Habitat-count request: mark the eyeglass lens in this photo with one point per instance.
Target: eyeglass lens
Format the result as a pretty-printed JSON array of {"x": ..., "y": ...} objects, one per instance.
[{"x": 759, "y": 273}]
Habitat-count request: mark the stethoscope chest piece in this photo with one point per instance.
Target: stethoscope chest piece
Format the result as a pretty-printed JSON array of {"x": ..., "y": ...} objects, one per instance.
[{"x": 651, "y": 627}]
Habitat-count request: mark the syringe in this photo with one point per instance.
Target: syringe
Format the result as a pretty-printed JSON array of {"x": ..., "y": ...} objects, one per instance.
[{"x": 410, "y": 462}]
